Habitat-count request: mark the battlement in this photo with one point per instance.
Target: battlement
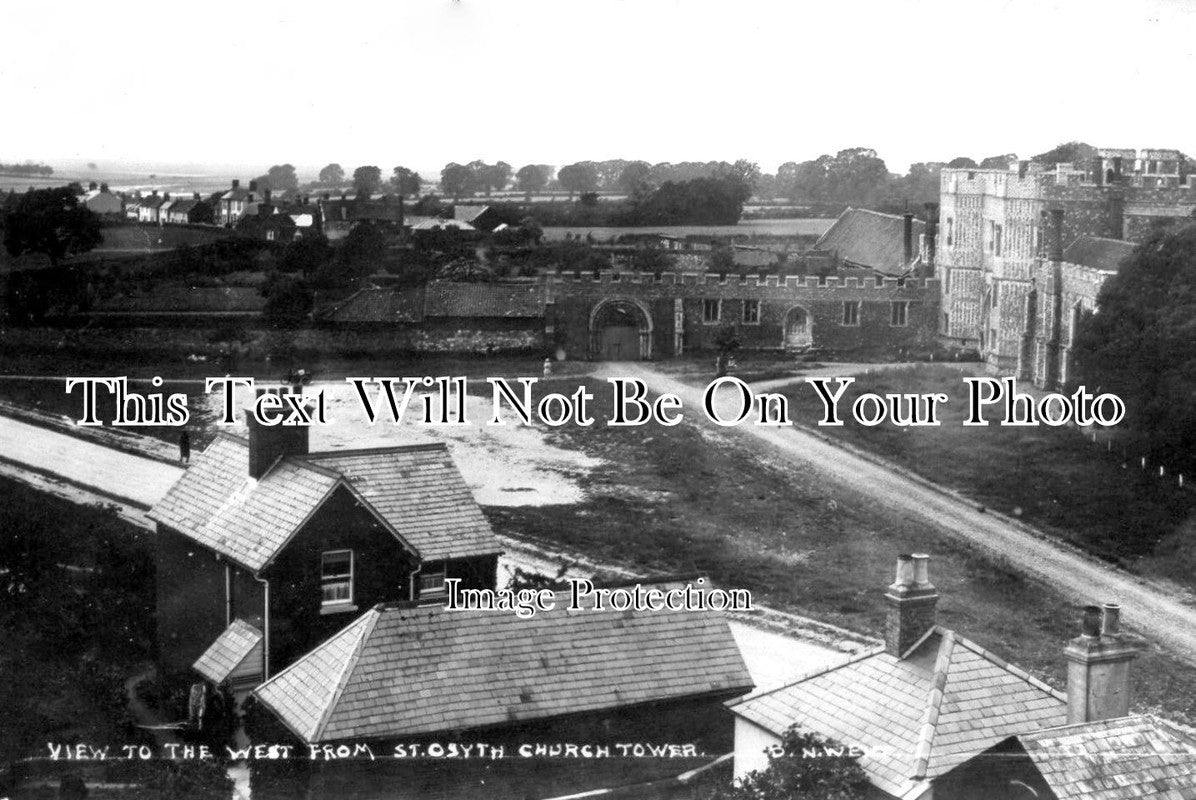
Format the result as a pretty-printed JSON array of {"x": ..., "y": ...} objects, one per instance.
[{"x": 714, "y": 280}]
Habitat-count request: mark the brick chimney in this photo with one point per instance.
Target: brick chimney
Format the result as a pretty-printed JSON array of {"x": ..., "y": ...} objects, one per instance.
[
  {"x": 268, "y": 443},
  {"x": 236, "y": 183},
  {"x": 1098, "y": 667},
  {"x": 911, "y": 600}
]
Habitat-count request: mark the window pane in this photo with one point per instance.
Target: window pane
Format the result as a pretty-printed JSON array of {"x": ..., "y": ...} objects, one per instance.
[{"x": 338, "y": 564}]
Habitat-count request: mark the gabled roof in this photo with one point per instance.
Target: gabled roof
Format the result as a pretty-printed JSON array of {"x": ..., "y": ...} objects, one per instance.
[
  {"x": 407, "y": 671},
  {"x": 916, "y": 717},
  {"x": 379, "y": 305},
  {"x": 183, "y": 206},
  {"x": 415, "y": 491},
  {"x": 870, "y": 239},
  {"x": 228, "y": 651},
  {"x": 1098, "y": 253},
  {"x": 437, "y": 224},
  {"x": 153, "y": 201},
  {"x": 468, "y": 213},
  {"x": 1116, "y": 759},
  {"x": 444, "y": 299}
]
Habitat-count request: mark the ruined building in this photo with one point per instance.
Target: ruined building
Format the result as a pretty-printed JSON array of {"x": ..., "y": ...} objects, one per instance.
[{"x": 1022, "y": 252}]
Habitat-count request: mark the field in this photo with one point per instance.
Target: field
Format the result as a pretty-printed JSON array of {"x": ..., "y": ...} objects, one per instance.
[{"x": 1056, "y": 479}]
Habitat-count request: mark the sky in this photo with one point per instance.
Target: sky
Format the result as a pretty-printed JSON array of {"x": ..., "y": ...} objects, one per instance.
[{"x": 424, "y": 82}]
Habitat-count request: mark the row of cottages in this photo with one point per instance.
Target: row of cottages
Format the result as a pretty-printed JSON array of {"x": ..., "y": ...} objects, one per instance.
[
  {"x": 935, "y": 715},
  {"x": 155, "y": 209}
]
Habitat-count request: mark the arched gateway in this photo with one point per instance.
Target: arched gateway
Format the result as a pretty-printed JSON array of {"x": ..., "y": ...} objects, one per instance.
[
  {"x": 620, "y": 330},
  {"x": 799, "y": 334}
]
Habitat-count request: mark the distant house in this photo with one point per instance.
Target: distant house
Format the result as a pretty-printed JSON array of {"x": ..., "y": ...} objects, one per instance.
[
  {"x": 264, "y": 538},
  {"x": 413, "y": 673},
  {"x": 133, "y": 208},
  {"x": 918, "y": 707},
  {"x": 1110, "y": 759},
  {"x": 341, "y": 214},
  {"x": 883, "y": 243},
  {"x": 482, "y": 218},
  {"x": 148, "y": 208},
  {"x": 235, "y": 203},
  {"x": 185, "y": 212},
  {"x": 102, "y": 202}
]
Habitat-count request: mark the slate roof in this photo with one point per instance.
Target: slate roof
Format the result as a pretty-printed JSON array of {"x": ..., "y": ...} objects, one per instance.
[
  {"x": 402, "y": 670},
  {"x": 1129, "y": 757},
  {"x": 468, "y": 213},
  {"x": 437, "y": 224},
  {"x": 183, "y": 206},
  {"x": 379, "y": 305},
  {"x": 513, "y": 300},
  {"x": 416, "y": 491},
  {"x": 1098, "y": 253},
  {"x": 870, "y": 239},
  {"x": 230, "y": 649},
  {"x": 916, "y": 717}
]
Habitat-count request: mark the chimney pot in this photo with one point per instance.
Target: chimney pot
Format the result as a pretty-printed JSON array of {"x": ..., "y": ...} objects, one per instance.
[
  {"x": 921, "y": 569},
  {"x": 1091, "y": 624},
  {"x": 1110, "y": 624},
  {"x": 905, "y": 570}
]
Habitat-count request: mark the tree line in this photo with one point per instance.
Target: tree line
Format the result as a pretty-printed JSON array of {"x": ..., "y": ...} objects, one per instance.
[{"x": 28, "y": 168}]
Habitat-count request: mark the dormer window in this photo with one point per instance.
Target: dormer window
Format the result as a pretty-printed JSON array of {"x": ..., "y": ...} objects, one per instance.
[
  {"x": 431, "y": 582},
  {"x": 336, "y": 580}
]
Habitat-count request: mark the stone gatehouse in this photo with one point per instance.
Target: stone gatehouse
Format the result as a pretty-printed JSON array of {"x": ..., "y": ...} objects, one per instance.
[{"x": 631, "y": 316}]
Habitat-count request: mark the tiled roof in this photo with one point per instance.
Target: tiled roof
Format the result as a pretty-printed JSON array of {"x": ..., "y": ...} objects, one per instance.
[
  {"x": 916, "y": 717},
  {"x": 444, "y": 299},
  {"x": 183, "y": 206},
  {"x": 420, "y": 493},
  {"x": 468, "y": 213},
  {"x": 437, "y": 224},
  {"x": 230, "y": 649},
  {"x": 1098, "y": 253},
  {"x": 871, "y": 239},
  {"x": 1115, "y": 759},
  {"x": 424, "y": 670},
  {"x": 415, "y": 490},
  {"x": 379, "y": 305}
]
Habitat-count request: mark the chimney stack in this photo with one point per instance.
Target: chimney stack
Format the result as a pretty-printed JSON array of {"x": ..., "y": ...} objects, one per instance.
[
  {"x": 236, "y": 183},
  {"x": 1098, "y": 667},
  {"x": 911, "y": 599},
  {"x": 1022, "y": 168},
  {"x": 253, "y": 186},
  {"x": 269, "y": 443},
  {"x": 909, "y": 239}
]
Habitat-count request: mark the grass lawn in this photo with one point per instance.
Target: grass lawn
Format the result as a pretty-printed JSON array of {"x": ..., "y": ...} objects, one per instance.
[{"x": 1053, "y": 478}]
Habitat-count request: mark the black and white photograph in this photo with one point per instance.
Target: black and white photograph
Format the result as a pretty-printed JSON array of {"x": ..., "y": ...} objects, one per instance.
[{"x": 547, "y": 400}]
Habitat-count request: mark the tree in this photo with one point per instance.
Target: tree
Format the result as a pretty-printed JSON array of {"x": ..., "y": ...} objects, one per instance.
[
  {"x": 332, "y": 175},
  {"x": 279, "y": 178},
  {"x": 532, "y": 178},
  {"x": 497, "y": 177},
  {"x": 579, "y": 177},
  {"x": 998, "y": 162},
  {"x": 722, "y": 259},
  {"x": 362, "y": 250},
  {"x": 1067, "y": 153},
  {"x": 52, "y": 222},
  {"x": 633, "y": 177},
  {"x": 306, "y": 255},
  {"x": 366, "y": 181},
  {"x": 807, "y": 767},
  {"x": 406, "y": 182},
  {"x": 1141, "y": 345},
  {"x": 288, "y": 301},
  {"x": 456, "y": 180},
  {"x": 962, "y": 162}
]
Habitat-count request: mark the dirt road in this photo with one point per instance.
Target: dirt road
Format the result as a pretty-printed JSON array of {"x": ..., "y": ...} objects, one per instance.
[{"x": 1152, "y": 610}]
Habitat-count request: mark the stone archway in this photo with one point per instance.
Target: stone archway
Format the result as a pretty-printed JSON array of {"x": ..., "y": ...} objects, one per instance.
[
  {"x": 798, "y": 331},
  {"x": 620, "y": 330}
]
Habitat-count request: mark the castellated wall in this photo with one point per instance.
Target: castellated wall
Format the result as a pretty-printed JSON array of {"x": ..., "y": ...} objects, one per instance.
[{"x": 681, "y": 312}]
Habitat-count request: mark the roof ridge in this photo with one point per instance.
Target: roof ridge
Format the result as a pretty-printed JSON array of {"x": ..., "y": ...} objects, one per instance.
[
  {"x": 1011, "y": 668},
  {"x": 370, "y": 618},
  {"x": 814, "y": 673},
  {"x": 398, "y": 448},
  {"x": 938, "y": 686}
]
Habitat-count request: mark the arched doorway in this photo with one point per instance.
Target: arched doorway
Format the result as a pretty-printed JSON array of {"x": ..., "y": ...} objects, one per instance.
[
  {"x": 799, "y": 332},
  {"x": 620, "y": 330}
]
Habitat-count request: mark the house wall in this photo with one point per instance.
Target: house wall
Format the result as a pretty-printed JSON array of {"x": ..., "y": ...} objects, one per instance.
[
  {"x": 751, "y": 744},
  {"x": 381, "y": 569},
  {"x": 674, "y": 303},
  {"x": 190, "y": 608}
]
